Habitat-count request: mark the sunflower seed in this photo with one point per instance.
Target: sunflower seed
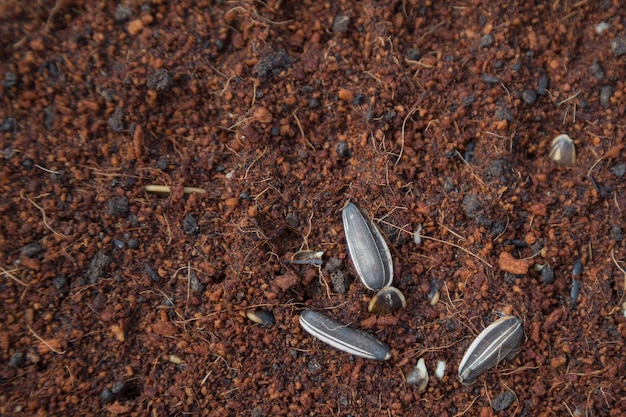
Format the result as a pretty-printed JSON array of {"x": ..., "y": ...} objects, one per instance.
[
  {"x": 354, "y": 341},
  {"x": 497, "y": 342},
  {"x": 368, "y": 249},
  {"x": 387, "y": 301},
  {"x": 563, "y": 150}
]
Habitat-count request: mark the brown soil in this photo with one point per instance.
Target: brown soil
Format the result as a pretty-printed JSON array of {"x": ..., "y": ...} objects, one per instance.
[{"x": 116, "y": 300}]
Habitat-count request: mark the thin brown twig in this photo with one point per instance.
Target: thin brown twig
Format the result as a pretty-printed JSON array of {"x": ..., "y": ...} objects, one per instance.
[{"x": 44, "y": 342}]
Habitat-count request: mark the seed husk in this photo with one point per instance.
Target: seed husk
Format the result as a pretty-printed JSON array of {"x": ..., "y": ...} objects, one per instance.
[
  {"x": 563, "y": 150},
  {"x": 387, "y": 301},
  {"x": 368, "y": 249},
  {"x": 498, "y": 341},
  {"x": 354, "y": 341}
]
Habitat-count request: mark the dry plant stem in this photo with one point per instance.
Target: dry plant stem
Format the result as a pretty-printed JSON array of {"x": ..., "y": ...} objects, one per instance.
[
  {"x": 623, "y": 272},
  {"x": 43, "y": 214},
  {"x": 44, "y": 342},
  {"x": 166, "y": 189},
  {"x": 9, "y": 273}
]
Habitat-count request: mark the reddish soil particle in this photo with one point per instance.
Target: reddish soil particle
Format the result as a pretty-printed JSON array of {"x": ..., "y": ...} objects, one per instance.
[{"x": 424, "y": 113}]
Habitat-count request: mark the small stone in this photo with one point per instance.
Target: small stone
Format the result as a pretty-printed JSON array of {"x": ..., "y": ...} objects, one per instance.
[
  {"x": 341, "y": 23},
  {"x": 117, "y": 206},
  {"x": 133, "y": 244},
  {"x": 10, "y": 80},
  {"x": 8, "y": 125},
  {"x": 190, "y": 225},
  {"x": 59, "y": 282},
  {"x": 544, "y": 83},
  {"x": 529, "y": 96},
  {"x": 619, "y": 170},
  {"x": 160, "y": 80},
  {"x": 17, "y": 360},
  {"x": 122, "y": 12},
  {"x": 596, "y": 70},
  {"x": 413, "y": 54},
  {"x": 618, "y": 46},
  {"x": 605, "y": 96},
  {"x": 116, "y": 121},
  {"x": 547, "y": 275},
  {"x": 97, "y": 266},
  {"x": 503, "y": 401},
  {"x": 504, "y": 113},
  {"x": 343, "y": 149},
  {"x": 508, "y": 263},
  {"x": 314, "y": 103},
  {"x": 32, "y": 249},
  {"x": 618, "y": 234},
  {"x": 487, "y": 41},
  {"x": 489, "y": 79},
  {"x": 106, "y": 396}
]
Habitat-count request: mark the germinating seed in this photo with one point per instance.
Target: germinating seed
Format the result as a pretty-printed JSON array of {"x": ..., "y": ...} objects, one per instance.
[
  {"x": 368, "y": 249},
  {"x": 354, "y": 341},
  {"x": 499, "y": 340},
  {"x": 418, "y": 376}
]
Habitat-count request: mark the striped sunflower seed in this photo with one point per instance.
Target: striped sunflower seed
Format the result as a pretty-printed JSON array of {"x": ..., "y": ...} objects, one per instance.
[
  {"x": 354, "y": 341},
  {"x": 368, "y": 249},
  {"x": 500, "y": 340}
]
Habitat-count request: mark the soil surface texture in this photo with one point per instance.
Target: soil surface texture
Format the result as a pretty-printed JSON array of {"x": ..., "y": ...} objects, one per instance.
[{"x": 169, "y": 169}]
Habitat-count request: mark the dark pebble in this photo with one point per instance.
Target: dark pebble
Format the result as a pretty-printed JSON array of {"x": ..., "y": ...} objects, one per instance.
[
  {"x": 544, "y": 83},
  {"x": 413, "y": 54},
  {"x": 487, "y": 40},
  {"x": 10, "y": 80},
  {"x": 162, "y": 163},
  {"x": 292, "y": 219},
  {"x": 106, "y": 396},
  {"x": 504, "y": 113},
  {"x": 17, "y": 359},
  {"x": 596, "y": 70},
  {"x": 359, "y": 99},
  {"x": 275, "y": 131},
  {"x": 27, "y": 164},
  {"x": 529, "y": 96},
  {"x": 467, "y": 101},
  {"x": 343, "y": 149},
  {"x": 122, "y": 12},
  {"x": 59, "y": 282},
  {"x": 474, "y": 210},
  {"x": 152, "y": 273},
  {"x": 578, "y": 268},
  {"x": 118, "y": 244},
  {"x": 341, "y": 23},
  {"x": 503, "y": 401},
  {"x": 619, "y": 170},
  {"x": 618, "y": 234},
  {"x": 490, "y": 79},
  {"x": 116, "y": 121},
  {"x": 160, "y": 80},
  {"x": 48, "y": 120},
  {"x": 190, "y": 225},
  {"x": 605, "y": 96},
  {"x": 618, "y": 46},
  {"x": 517, "y": 66},
  {"x": 8, "y": 125},
  {"x": 117, "y": 206},
  {"x": 339, "y": 280},
  {"x": 133, "y": 244},
  {"x": 314, "y": 103},
  {"x": 575, "y": 290},
  {"x": 273, "y": 64},
  {"x": 547, "y": 274},
  {"x": 118, "y": 388},
  {"x": 97, "y": 266},
  {"x": 32, "y": 249}
]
